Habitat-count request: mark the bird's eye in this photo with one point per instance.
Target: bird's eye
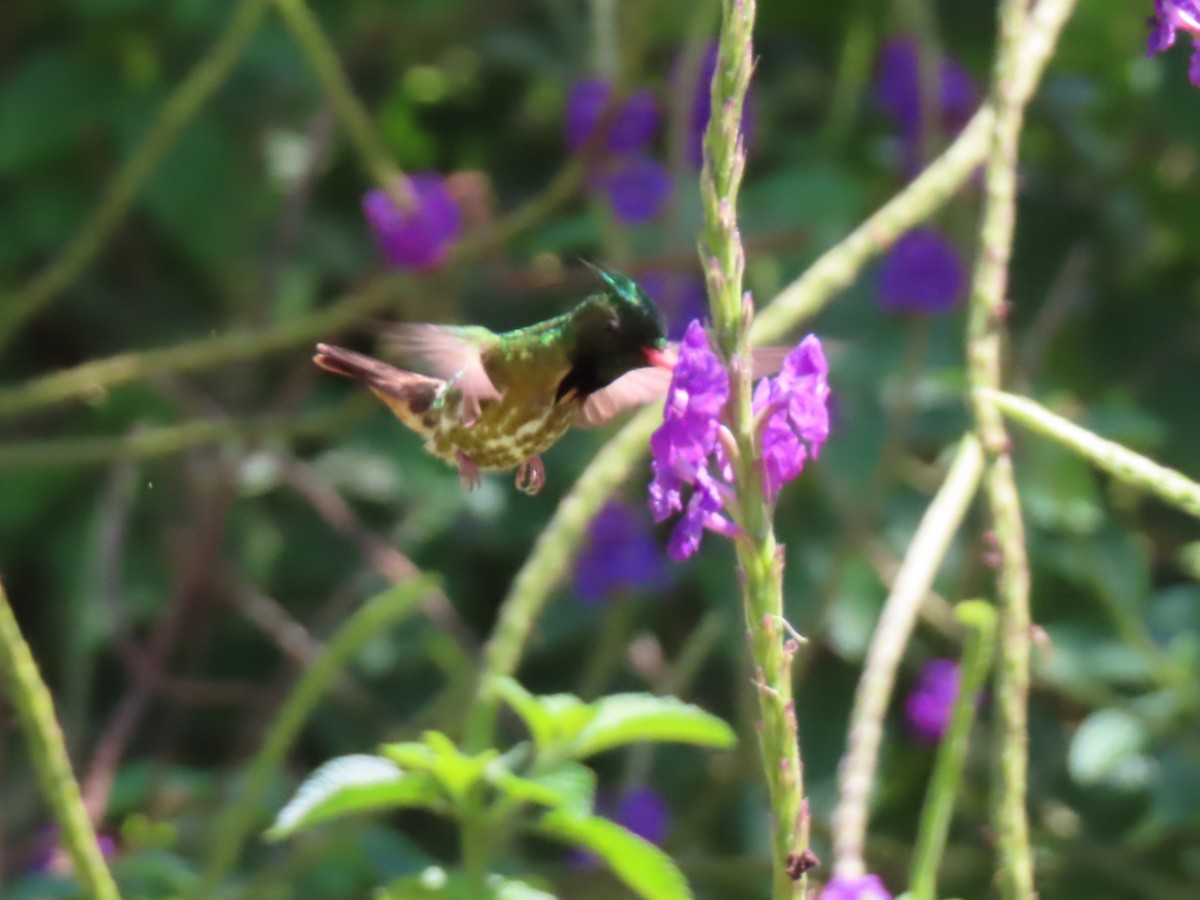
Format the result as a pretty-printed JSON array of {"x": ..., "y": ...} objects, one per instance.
[{"x": 613, "y": 325}]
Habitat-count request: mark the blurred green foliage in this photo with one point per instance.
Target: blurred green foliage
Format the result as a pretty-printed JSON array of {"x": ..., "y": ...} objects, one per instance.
[{"x": 201, "y": 580}]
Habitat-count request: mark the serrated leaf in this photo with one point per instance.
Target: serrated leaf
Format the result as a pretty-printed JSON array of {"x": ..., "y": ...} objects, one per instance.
[
  {"x": 644, "y": 868},
  {"x": 455, "y": 771},
  {"x": 352, "y": 784},
  {"x": 553, "y": 720},
  {"x": 574, "y": 782},
  {"x": 1104, "y": 743},
  {"x": 626, "y": 718}
]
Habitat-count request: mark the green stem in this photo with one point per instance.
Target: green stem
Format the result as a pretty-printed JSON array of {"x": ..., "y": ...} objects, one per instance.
[
  {"x": 180, "y": 107},
  {"x": 1120, "y": 462},
  {"x": 985, "y": 341},
  {"x": 979, "y": 619},
  {"x": 149, "y": 443},
  {"x": 475, "y": 838},
  {"x": 34, "y": 706},
  {"x": 323, "y": 58},
  {"x": 760, "y": 559},
  {"x": 235, "y": 821},
  {"x": 856, "y": 776}
]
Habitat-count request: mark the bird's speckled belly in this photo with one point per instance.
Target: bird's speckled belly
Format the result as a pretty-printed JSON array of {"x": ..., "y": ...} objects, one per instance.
[{"x": 506, "y": 434}]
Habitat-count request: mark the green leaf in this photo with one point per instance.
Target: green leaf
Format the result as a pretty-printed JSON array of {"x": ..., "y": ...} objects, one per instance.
[
  {"x": 1104, "y": 746},
  {"x": 645, "y": 869},
  {"x": 455, "y": 771},
  {"x": 352, "y": 784},
  {"x": 569, "y": 786},
  {"x": 553, "y": 720},
  {"x": 626, "y": 718}
]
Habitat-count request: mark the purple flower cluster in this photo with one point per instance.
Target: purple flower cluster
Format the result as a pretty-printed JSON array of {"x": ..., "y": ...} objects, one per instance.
[
  {"x": 636, "y": 184},
  {"x": 418, "y": 237},
  {"x": 898, "y": 88},
  {"x": 922, "y": 274},
  {"x": 687, "y": 451},
  {"x": 929, "y": 705},
  {"x": 1170, "y": 17},
  {"x": 620, "y": 554},
  {"x": 864, "y": 887},
  {"x": 641, "y": 810}
]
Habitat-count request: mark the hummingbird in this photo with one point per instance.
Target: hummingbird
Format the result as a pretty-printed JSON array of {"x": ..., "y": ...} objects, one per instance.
[{"x": 495, "y": 401}]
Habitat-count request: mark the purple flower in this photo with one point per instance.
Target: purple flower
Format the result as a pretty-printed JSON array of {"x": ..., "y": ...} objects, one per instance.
[
  {"x": 792, "y": 408},
  {"x": 637, "y": 186},
  {"x": 701, "y": 109},
  {"x": 641, "y": 810},
  {"x": 864, "y": 887},
  {"x": 630, "y": 128},
  {"x": 1171, "y": 16},
  {"x": 416, "y": 238},
  {"x": 681, "y": 296},
  {"x": 620, "y": 554},
  {"x": 796, "y": 402},
  {"x": 922, "y": 273},
  {"x": 929, "y": 705},
  {"x": 898, "y": 87}
]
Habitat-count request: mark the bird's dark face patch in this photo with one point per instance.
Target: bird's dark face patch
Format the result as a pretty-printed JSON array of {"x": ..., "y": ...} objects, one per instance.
[{"x": 613, "y": 332}]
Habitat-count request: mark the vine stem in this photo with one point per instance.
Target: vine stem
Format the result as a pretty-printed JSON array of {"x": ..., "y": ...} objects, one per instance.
[
  {"x": 856, "y": 777},
  {"x": 985, "y": 340},
  {"x": 177, "y": 111},
  {"x": 1122, "y": 463},
  {"x": 48, "y": 751},
  {"x": 323, "y": 58}
]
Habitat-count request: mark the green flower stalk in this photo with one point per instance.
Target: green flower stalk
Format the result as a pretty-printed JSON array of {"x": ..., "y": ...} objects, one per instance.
[
  {"x": 48, "y": 750},
  {"x": 985, "y": 341},
  {"x": 759, "y": 557}
]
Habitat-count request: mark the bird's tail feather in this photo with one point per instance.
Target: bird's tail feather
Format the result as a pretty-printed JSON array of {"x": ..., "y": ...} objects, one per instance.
[{"x": 408, "y": 394}]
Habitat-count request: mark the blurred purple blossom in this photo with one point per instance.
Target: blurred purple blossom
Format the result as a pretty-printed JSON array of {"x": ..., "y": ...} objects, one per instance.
[
  {"x": 1171, "y": 16},
  {"x": 49, "y": 857},
  {"x": 637, "y": 186},
  {"x": 922, "y": 273},
  {"x": 795, "y": 421},
  {"x": 641, "y": 810},
  {"x": 701, "y": 109},
  {"x": 928, "y": 707},
  {"x": 864, "y": 887},
  {"x": 898, "y": 88},
  {"x": 682, "y": 297},
  {"x": 419, "y": 237},
  {"x": 620, "y": 554},
  {"x": 631, "y": 127}
]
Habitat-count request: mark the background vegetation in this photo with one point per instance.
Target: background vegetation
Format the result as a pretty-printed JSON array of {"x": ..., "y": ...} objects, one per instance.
[{"x": 188, "y": 509}]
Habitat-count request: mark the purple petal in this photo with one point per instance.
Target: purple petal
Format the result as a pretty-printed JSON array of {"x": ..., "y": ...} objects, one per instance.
[
  {"x": 620, "y": 554},
  {"x": 864, "y": 887},
  {"x": 417, "y": 238},
  {"x": 681, "y": 296},
  {"x": 631, "y": 127},
  {"x": 644, "y": 812},
  {"x": 638, "y": 187},
  {"x": 929, "y": 706},
  {"x": 922, "y": 274}
]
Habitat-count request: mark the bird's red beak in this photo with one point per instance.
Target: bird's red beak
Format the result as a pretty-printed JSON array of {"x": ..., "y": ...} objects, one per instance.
[{"x": 662, "y": 359}]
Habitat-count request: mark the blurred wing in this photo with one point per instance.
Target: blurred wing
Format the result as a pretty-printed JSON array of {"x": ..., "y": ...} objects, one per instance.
[
  {"x": 634, "y": 388},
  {"x": 766, "y": 361},
  {"x": 454, "y": 354}
]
